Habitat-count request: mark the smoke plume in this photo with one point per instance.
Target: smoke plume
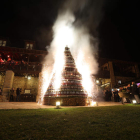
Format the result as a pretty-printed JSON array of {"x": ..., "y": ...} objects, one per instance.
[{"x": 74, "y": 27}]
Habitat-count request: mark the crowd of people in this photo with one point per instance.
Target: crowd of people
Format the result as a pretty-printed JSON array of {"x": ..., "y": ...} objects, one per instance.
[
  {"x": 131, "y": 90},
  {"x": 11, "y": 94},
  {"x": 111, "y": 95}
]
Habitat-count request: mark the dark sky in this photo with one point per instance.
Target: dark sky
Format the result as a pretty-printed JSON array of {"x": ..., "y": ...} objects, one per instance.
[{"x": 119, "y": 28}]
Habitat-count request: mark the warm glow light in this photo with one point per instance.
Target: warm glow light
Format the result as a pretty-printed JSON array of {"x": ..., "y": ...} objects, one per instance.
[
  {"x": 93, "y": 103},
  {"x": 97, "y": 81},
  {"x": 29, "y": 77},
  {"x": 57, "y": 103},
  {"x": 134, "y": 101},
  {"x": 64, "y": 33}
]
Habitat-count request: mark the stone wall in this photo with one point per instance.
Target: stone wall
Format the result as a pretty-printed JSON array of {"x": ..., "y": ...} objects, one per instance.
[
  {"x": 8, "y": 82},
  {"x": 20, "y": 82},
  {"x": 1, "y": 98},
  {"x": 66, "y": 101},
  {"x": 24, "y": 83},
  {"x": 40, "y": 82},
  {"x": 2, "y": 77}
]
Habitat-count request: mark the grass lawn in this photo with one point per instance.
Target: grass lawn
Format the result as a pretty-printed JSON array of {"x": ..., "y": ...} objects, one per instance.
[{"x": 84, "y": 123}]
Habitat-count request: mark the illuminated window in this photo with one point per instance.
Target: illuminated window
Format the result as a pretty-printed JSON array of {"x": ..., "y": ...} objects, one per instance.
[
  {"x": 119, "y": 81},
  {"x": 31, "y": 46},
  {"x": 2, "y": 43},
  {"x": 27, "y": 46}
]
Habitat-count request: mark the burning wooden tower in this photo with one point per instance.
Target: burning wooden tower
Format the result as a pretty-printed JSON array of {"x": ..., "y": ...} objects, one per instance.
[{"x": 71, "y": 91}]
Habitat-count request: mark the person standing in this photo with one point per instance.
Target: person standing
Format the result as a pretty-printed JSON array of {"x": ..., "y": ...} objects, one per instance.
[
  {"x": 110, "y": 95},
  {"x": 106, "y": 95},
  {"x": 128, "y": 88},
  {"x": 117, "y": 96},
  {"x": 11, "y": 94},
  {"x": 134, "y": 92},
  {"x": 18, "y": 94}
]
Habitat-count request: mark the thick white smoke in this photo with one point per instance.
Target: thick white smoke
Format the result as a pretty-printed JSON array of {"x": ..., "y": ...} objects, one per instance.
[{"x": 80, "y": 42}]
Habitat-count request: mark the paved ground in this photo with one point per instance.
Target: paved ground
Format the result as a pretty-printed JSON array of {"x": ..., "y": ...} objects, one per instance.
[{"x": 33, "y": 105}]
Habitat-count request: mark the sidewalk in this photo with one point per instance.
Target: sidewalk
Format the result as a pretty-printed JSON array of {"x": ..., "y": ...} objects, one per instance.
[{"x": 34, "y": 105}]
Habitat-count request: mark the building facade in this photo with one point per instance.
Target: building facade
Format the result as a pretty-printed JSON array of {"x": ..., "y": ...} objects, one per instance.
[
  {"x": 21, "y": 67},
  {"x": 117, "y": 73}
]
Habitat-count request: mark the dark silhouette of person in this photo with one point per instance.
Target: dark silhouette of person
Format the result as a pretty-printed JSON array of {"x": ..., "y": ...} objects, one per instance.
[
  {"x": 11, "y": 94},
  {"x": 106, "y": 95},
  {"x": 116, "y": 96},
  {"x": 109, "y": 95},
  {"x": 128, "y": 89},
  {"x": 18, "y": 94}
]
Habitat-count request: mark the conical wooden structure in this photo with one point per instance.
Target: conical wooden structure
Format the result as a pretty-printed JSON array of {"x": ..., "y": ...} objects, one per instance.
[{"x": 71, "y": 91}]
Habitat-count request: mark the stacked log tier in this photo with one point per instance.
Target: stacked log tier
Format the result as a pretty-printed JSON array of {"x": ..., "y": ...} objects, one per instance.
[
  {"x": 66, "y": 101},
  {"x": 71, "y": 85}
]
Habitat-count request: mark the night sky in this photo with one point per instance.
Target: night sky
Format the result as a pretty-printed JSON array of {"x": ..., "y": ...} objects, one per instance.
[{"x": 118, "y": 30}]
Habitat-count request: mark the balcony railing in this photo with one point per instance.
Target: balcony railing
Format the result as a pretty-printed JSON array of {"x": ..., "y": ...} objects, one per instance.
[{"x": 21, "y": 67}]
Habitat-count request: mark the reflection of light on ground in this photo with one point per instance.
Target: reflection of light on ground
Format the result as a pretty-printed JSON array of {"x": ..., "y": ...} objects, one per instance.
[
  {"x": 93, "y": 103},
  {"x": 134, "y": 101},
  {"x": 57, "y": 103}
]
